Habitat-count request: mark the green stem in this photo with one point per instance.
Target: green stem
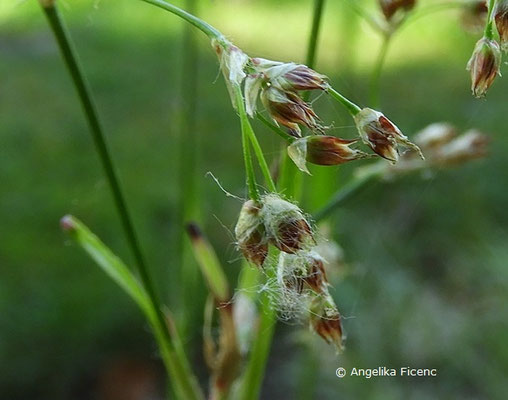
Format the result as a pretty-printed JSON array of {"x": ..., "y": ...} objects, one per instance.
[
  {"x": 276, "y": 129},
  {"x": 489, "y": 31},
  {"x": 365, "y": 15},
  {"x": 188, "y": 163},
  {"x": 352, "y": 108},
  {"x": 375, "y": 81},
  {"x": 249, "y": 169},
  {"x": 346, "y": 192},
  {"x": 203, "y": 26},
  {"x": 249, "y": 132},
  {"x": 255, "y": 370},
  {"x": 314, "y": 33},
  {"x": 179, "y": 374}
]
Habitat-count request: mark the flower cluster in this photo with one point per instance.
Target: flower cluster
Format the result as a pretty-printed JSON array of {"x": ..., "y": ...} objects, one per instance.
[
  {"x": 443, "y": 148},
  {"x": 278, "y": 85},
  {"x": 301, "y": 283}
]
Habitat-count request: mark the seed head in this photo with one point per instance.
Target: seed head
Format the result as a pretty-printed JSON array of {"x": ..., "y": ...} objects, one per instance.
[
  {"x": 323, "y": 150},
  {"x": 325, "y": 321},
  {"x": 484, "y": 66},
  {"x": 250, "y": 234},
  {"x": 468, "y": 146},
  {"x": 435, "y": 135},
  {"x": 285, "y": 224},
  {"x": 501, "y": 19},
  {"x": 302, "y": 271},
  {"x": 289, "y": 110},
  {"x": 382, "y": 135},
  {"x": 391, "y": 7}
]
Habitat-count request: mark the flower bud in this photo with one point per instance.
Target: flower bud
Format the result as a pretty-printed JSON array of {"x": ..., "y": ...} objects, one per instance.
[
  {"x": 435, "y": 135},
  {"x": 250, "y": 234},
  {"x": 323, "y": 150},
  {"x": 289, "y": 110},
  {"x": 285, "y": 224},
  {"x": 303, "y": 270},
  {"x": 501, "y": 19},
  {"x": 468, "y": 146},
  {"x": 325, "y": 321},
  {"x": 484, "y": 65},
  {"x": 391, "y": 7},
  {"x": 382, "y": 135}
]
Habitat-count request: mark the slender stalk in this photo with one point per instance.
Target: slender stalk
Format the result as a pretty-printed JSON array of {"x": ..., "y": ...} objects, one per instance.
[
  {"x": 373, "y": 22},
  {"x": 352, "y": 108},
  {"x": 276, "y": 129},
  {"x": 375, "y": 80},
  {"x": 255, "y": 369},
  {"x": 314, "y": 33},
  {"x": 182, "y": 376},
  {"x": 249, "y": 132},
  {"x": 188, "y": 161},
  {"x": 249, "y": 169},
  {"x": 203, "y": 26},
  {"x": 489, "y": 31}
]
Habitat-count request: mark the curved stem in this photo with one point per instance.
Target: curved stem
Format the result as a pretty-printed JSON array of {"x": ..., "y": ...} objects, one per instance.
[
  {"x": 247, "y": 129},
  {"x": 249, "y": 169},
  {"x": 489, "y": 31},
  {"x": 314, "y": 33},
  {"x": 352, "y": 108},
  {"x": 188, "y": 156},
  {"x": 203, "y": 26},
  {"x": 276, "y": 129},
  {"x": 184, "y": 380},
  {"x": 375, "y": 80},
  {"x": 365, "y": 15}
]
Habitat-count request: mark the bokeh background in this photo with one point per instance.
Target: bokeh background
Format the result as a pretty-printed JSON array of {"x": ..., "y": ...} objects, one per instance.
[{"x": 426, "y": 278}]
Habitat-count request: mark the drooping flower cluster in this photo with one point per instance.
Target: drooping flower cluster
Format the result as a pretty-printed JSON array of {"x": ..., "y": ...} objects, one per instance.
[
  {"x": 278, "y": 85},
  {"x": 443, "y": 148},
  {"x": 301, "y": 283}
]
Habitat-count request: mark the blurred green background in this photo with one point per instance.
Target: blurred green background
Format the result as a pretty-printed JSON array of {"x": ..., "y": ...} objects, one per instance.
[{"x": 426, "y": 283}]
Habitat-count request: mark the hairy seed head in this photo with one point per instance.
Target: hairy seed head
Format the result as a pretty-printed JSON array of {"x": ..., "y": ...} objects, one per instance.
[
  {"x": 250, "y": 234},
  {"x": 285, "y": 224},
  {"x": 304, "y": 270},
  {"x": 326, "y": 322}
]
